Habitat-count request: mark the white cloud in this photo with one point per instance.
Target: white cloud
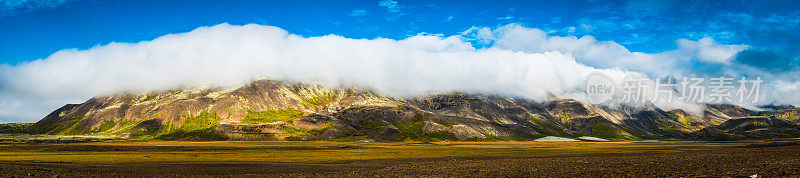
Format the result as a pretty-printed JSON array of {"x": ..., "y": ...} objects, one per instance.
[
  {"x": 701, "y": 58},
  {"x": 10, "y": 7},
  {"x": 607, "y": 54},
  {"x": 449, "y": 18},
  {"x": 585, "y": 49},
  {"x": 482, "y": 35},
  {"x": 517, "y": 61},
  {"x": 708, "y": 50},
  {"x": 231, "y": 55},
  {"x": 358, "y": 13},
  {"x": 391, "y": 5},
  {"x": 505, "y": 18},
  {"x": 394, "y": 9}
]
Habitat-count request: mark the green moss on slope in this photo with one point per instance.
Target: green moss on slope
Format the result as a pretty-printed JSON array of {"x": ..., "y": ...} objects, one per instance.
[
  {"x": 666, "y": 129},
  {"x": 317, "y": 98},
  {"x": 125, "y": 125},
  {"x": 74, "y": 128},
  {"x": 372, "y": 125},
  {"x": 200, "y": 127},
  {"x": 606, "y": 130},
  {"x": 155, "y": 97},
  {"x": 411, "y": 130},
  {"x": 555, "y": 129},
  {"x": 105, "y": 126},
  {"x": 256, "y": 117},
  {"x": 299, "y": 131}
]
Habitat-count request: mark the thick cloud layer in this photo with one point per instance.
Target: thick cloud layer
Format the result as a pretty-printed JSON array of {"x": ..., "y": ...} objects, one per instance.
[
  {"x": 519, "y": 62},
  {"x": 702, "y": 58}
]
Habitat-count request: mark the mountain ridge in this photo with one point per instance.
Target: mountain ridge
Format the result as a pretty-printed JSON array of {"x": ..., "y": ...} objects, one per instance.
[{"x": 275, "y": 110}]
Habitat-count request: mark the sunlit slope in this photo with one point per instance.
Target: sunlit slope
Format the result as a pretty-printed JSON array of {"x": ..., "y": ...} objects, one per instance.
[{"x": 273, "y": 110}]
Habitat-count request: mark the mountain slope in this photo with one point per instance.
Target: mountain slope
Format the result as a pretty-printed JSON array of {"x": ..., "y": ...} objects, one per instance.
[
  {"x": 752, "y": 127},
  {"x": 273, "y": 110}
]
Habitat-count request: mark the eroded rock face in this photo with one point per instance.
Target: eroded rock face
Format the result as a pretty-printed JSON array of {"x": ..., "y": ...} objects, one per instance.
[
  {"x": 429, "y": 126},
  {"x": 273, "y": 110},
  {"x": 464, "y": 132}
]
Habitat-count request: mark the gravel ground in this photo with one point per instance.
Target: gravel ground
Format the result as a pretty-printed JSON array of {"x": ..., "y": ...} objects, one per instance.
[{"x": 768, "y": 160}]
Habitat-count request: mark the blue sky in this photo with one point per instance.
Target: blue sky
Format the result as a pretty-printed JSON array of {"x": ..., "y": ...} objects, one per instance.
[
  {"x": 54, "y": 52},
  {"x": 29, "y": 31}
]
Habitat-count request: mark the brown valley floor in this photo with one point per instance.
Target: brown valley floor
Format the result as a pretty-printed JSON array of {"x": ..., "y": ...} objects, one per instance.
[{"x": 514, "y": 159}]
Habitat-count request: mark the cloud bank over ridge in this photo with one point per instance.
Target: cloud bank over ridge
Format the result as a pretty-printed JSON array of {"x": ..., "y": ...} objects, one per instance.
[{"x": 516, "y": 61}]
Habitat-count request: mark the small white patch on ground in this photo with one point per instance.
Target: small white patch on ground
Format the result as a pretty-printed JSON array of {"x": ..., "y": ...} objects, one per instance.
[
  {"x": 592, "y": 139},
  {"x": 555, "y": 139}
]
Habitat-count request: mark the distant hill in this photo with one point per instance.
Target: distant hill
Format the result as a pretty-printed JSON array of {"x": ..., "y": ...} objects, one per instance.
[{"x": 15, "y": 127}]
